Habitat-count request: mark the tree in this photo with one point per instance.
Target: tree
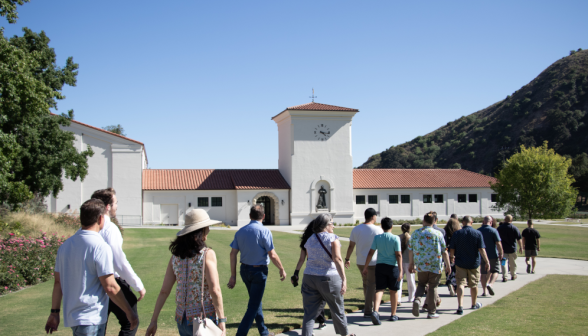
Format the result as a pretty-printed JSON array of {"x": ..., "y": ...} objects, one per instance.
[
  {"x": 8, "y": 9},
  {"x": 118, "y": 129},
  {"x": 30, "y": 85},
  {"x": 535, "y": 183}
]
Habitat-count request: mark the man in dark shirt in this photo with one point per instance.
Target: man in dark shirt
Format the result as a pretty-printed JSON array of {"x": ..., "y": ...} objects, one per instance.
[
  {"x": 466, "y": 247},
  {"x": 531, "y": 244},
  {"x": 510, "y": 235},
  {"x": 494, "y": 253}
]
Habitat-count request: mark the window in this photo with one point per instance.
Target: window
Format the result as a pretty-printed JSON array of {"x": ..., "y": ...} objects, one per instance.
[
  {"x": 494, "y": 197},
  {"x": 427, "y": 198},
  {"x": 372, "y": 199},
  {"x": 461, "y": 198},
  {"x": 473, "y": 198},
  {"x": 404, "y": 198},
  {"x": 216, "y": 201},
  {"x": 439, "y": 198},
  {"x": 393, "y": 199},
  {"x": 359, "y": 199},
  {"x": 202, "y": 201}
]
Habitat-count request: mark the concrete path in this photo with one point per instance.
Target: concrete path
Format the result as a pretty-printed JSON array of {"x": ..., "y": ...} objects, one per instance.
[{"x": 410, "y": 325}]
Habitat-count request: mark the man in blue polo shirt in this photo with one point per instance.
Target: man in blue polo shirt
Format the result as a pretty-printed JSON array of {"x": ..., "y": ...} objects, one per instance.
[
  {"x": 256, "y": 245},
  {"x": 494, "y": 253},
  {"x": 465, "y": 245}
]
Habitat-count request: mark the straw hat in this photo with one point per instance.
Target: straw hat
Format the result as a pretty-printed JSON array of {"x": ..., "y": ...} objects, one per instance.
[{"x": 196, "y": 219}]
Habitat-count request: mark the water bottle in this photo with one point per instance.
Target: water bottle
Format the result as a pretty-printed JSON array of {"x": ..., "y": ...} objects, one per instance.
[{"x": 503, "y": 262}]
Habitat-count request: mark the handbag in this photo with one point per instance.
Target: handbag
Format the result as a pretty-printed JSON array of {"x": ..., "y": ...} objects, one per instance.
[{"x": 202, "y": 325}]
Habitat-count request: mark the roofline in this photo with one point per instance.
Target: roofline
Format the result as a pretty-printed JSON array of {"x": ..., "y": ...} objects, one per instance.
[
  {"x": 430, "y": 188},
  {"x": 347, "y": 109}
]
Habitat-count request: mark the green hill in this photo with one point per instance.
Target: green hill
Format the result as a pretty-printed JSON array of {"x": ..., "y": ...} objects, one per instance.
[{"x": 552, "y": 108}]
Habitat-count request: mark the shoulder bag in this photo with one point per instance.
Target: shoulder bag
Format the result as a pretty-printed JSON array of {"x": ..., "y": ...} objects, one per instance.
[
  {"x": 323, "y": 245},
  {"x": 202, "y": 325}
]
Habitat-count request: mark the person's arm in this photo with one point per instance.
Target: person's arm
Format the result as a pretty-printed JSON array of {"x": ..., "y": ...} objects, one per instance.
[
  {"x": 273, "y": 255},
  {"x": 399, "y": 260},
  {"x": 53, "y": 320},
  {"x": 166, "y": 288},
  {"x": 452, "y": 255},
  {"x": 367, "y": 261},
  {"x": 520, "y": 246},
  {"x": 538, "y": 244},
  {"x": 121, "y": 264},
  {"x": 336, "y": 249},
  {"x": 113, "y": 291},
  {"x": 447, "y": 263},
  {"x": 349, "y": 252},
  {"x": 500, "y": 250},
  {"x": 411, "y": 262},
  {"x": 485, "y": 258},
  {"x": 524, "y": 241},
  {"x": 299, "y": 265},
  {"x": 214, "y": 287},
  {"x": 233, "y": 279}
]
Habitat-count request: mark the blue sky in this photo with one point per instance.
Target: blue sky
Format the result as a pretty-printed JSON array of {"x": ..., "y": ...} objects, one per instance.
[{"x": 198, "y": 81}]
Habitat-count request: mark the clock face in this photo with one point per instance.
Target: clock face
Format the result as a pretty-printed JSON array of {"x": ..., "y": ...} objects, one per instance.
[{"x": 322, "y": 132}]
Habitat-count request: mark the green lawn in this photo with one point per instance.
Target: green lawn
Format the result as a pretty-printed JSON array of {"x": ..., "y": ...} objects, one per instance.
[
  {"x": 553, "y": 305},
  {"x": 556, "y": 241},
  {"x": 25, "y": 312}
]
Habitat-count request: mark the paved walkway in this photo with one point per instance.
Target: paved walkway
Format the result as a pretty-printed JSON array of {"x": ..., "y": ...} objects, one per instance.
[{"x": 409, "y": 325}]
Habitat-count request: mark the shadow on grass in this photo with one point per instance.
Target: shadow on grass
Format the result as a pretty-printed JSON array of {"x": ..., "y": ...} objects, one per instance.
[{"x": 271, "y": 326}]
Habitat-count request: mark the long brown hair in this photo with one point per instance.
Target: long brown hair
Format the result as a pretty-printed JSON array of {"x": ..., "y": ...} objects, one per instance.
[
  {"x": 451, "y": 226},
  {"x": 188, "y": 245}
]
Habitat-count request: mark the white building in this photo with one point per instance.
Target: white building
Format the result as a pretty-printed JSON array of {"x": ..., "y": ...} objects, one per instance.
[{"x": 315, "y": 175}]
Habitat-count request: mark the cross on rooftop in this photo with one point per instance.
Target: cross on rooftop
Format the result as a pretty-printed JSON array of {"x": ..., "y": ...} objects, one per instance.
[{"x": 313, "y": 96}]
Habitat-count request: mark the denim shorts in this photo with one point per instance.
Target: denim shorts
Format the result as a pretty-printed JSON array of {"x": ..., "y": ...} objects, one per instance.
[{"x": 89, "y": 330}]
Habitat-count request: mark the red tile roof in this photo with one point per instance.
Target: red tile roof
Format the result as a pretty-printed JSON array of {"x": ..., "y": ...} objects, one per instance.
[
  {"x": 317, "y": 107},
  {"x": 419, "y": 178},
  {"x": 213, "y": 179}
]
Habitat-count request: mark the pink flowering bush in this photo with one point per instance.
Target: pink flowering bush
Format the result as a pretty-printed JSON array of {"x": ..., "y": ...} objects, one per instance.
[{"x": 27, "y": 261}]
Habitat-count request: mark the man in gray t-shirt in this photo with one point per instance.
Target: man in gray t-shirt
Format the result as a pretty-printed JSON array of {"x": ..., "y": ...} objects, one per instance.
[{"x": 84, "y": 278}]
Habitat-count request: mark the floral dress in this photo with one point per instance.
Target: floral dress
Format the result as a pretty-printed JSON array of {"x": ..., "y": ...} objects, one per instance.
[{"x": 189, "y": 282}]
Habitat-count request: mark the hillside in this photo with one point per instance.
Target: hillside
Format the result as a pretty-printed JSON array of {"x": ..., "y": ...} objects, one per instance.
[{"x": 552, "y": 108}]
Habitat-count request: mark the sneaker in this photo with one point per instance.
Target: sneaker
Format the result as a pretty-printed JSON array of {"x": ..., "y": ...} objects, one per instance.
[
  {"x": 528, "y": 268},
  {"x": 459, "y": 311},
  {"x": 433, "y": 316},
  {"x": 478, "y": 305},
  {"x": 322, "y": 326},
  {"x": 399, "y": 304},
  {"x": 393, "y": 318},
  {"x": 490, "y": 290},
  {"x": 533, "y": 272},
  {"x": 376, "y": 318},
  {"x": 415, "y": 307},
  {"x": 484, "y": 295},
  {"x": 503, "y": 279},
  {"x": 514, "y": 277}
]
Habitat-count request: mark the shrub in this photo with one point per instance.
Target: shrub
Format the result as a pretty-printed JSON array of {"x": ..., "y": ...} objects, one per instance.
[
  {"x": 30, "y": 225},
  {"x": 27, "y": 261}
]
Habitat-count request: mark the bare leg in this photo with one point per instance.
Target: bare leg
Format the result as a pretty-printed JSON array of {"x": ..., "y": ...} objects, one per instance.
[
  {"x": 393, "y": 302},
  {"x": 459, "y": 296},
  {"x": 484, "y": 278},
  {"x": 378, "y": 299},
  {"x": 533, "y": 262},
  {"x": 474, "y": 293},
  {"x": 493, "y": 278}
]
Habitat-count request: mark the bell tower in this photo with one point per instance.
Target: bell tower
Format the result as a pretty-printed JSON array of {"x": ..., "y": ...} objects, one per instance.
[{"x": 315, "y": 159}]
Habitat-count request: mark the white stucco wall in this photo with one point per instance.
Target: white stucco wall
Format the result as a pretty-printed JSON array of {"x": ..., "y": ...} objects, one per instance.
[
  {"x": 234, "y": 210},
  {"x": 116, "y": 163},
  {"x": 417, "y": 208},
  {"x": 313, "y": 160}
]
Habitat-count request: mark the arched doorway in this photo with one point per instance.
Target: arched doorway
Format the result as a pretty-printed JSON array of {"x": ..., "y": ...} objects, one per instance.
[{"x": 269, "y": 210}]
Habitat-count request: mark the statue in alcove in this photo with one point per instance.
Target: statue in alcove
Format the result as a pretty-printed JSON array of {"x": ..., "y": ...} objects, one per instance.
[{"x": 322, "y": 201}]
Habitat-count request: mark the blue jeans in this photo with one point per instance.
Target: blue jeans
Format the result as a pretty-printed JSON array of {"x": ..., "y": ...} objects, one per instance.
[
  {"x": 254, "y": 279},
  {"x": 89, "y": 330},
  {"x": 183, "y": 328}
]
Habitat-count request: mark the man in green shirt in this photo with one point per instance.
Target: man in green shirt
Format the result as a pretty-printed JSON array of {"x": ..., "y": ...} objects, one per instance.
[{"x": 388, "y": 268}]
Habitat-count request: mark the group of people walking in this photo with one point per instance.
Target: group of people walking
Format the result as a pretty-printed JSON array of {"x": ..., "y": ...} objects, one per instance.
[{"x": 93, "y": 277}]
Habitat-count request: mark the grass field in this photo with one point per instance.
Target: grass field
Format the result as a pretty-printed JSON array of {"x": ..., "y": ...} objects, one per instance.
[
  {"x": 25, "y": 312},
  {"x": 556, "y": 241},
  {"x": 553, "y": 305}
]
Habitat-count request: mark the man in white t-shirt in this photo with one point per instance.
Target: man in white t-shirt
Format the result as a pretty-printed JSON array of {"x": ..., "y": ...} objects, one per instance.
[
  {"x": 124, "y": 274},
  {"x": 363, "y": 236},
  {"x": 84, "y": 278}
]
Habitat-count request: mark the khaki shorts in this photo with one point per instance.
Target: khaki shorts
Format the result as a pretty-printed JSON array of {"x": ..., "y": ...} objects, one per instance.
[
  {"x": 530, "y": 253},
  {"x": 464, "y": 276}
]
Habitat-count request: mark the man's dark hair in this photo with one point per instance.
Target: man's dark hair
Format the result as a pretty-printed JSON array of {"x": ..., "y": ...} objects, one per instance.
[
  {"x": 387, "y": 223},
  {"x": 405, "y": 228},
  {"x": 105, "y": 195},
  {"x": 429, "y": 218},
  {"x": 454, "y": 216},
  {"x": 530, "y": 222},
  {"x": 467, "y": 219},
  {"x": 256, "y": 212},
  {"x": 369, "y": 214},
  {"x": 91, "y": 211}
]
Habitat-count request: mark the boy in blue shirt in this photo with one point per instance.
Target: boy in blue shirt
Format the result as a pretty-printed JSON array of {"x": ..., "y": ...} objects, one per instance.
[{"x": 388, "y": 268}]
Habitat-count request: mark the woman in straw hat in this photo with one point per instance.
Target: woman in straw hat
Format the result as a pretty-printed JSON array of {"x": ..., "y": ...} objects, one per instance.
[{"x": 189, "y": 255}]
